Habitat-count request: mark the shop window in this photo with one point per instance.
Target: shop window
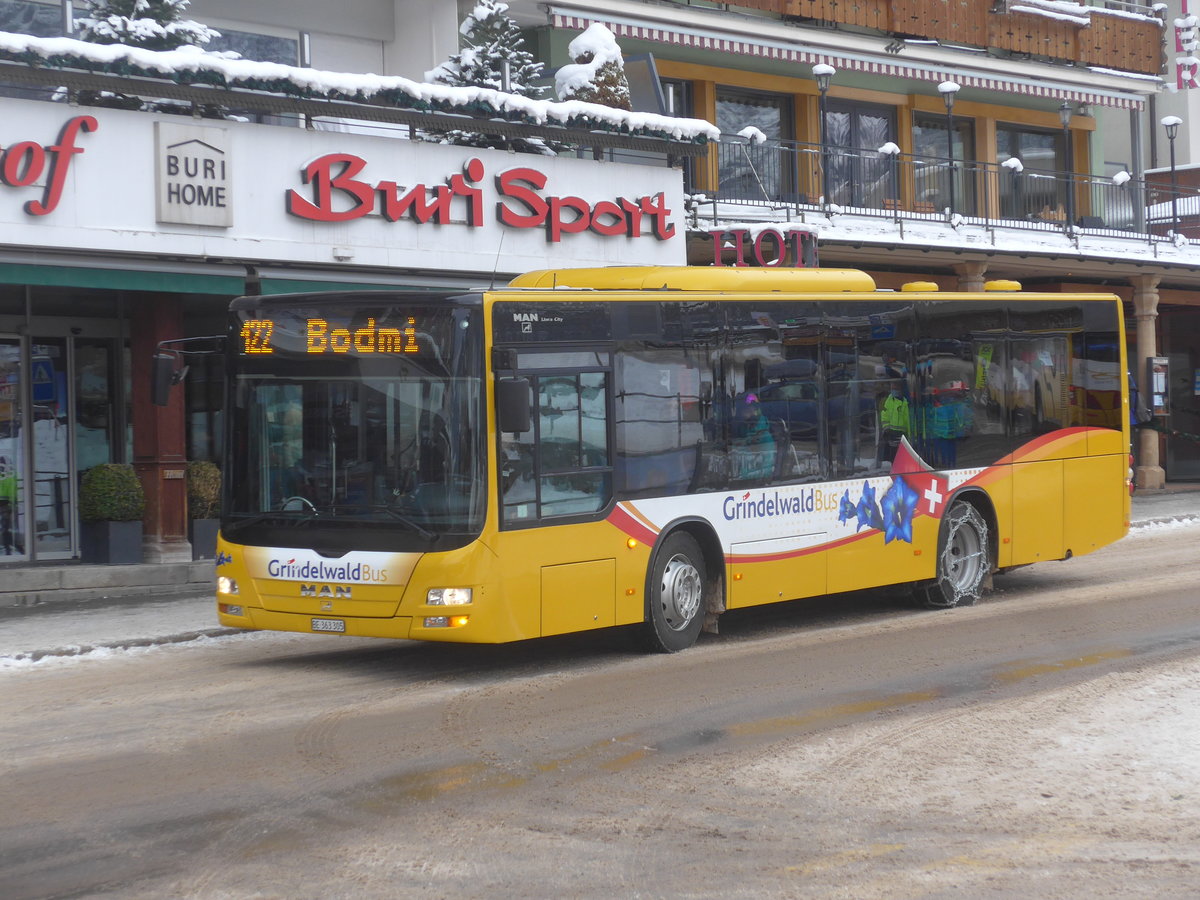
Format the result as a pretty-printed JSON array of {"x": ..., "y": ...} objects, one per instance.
[
  {"x": 258, "y": 47},
  {"x": 40, "y": 18},
  {"x": 677, "y": 101},
  {"x": 932, "y": 187},
  {"x": 95, "y": 412},
  {"x": 1034, "y": 192},
  {"x": 755, "y": 171},
  {"x": 858, "y": 174}
]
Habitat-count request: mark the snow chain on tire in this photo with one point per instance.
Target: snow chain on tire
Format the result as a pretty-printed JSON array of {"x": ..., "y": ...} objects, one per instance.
[{"x": 963, "y": 560}]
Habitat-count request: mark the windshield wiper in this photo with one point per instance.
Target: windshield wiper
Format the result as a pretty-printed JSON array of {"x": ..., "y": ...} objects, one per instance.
[
  {"x": 281, "y": 515},
  {"x": 400, "y": 517},
  {"x": 412, "y": 523}
]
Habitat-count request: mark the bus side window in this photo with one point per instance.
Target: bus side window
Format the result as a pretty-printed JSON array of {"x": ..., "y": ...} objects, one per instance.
[{"x": 561, "y": 467}]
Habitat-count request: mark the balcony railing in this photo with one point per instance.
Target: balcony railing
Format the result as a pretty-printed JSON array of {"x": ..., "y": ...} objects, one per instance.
[{"x": 787, "y": 176}]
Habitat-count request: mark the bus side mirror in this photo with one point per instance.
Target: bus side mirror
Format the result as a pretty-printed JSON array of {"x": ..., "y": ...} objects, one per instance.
[
  {"x": 162, "y": 374},
  {"x": 512, "y": 405}
]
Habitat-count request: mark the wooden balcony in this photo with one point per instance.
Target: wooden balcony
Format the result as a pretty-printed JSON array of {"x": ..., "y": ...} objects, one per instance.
[{"x": 1100, "y": 37}]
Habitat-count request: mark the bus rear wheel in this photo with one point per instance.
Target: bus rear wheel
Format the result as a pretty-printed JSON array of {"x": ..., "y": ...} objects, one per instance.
[
  {"x": 675, "y": 594},
  {"x": 963, "y": 560}
]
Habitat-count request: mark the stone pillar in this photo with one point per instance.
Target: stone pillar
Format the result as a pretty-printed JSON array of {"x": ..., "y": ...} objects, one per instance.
[
  {"x": 1149, "y": 474},
  {"x": 159, "y": 454},
  {"x": 970, "y": 275}
]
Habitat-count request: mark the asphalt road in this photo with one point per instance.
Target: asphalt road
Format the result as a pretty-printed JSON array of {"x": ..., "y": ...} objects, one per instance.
[{"x": 793, "y": 755}]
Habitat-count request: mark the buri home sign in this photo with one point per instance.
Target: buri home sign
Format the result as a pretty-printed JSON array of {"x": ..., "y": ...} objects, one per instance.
[{"x": 193, "y": 172}]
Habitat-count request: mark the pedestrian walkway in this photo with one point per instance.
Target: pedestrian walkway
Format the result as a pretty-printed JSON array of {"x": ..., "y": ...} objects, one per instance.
[{"x": 38, "y": 584}]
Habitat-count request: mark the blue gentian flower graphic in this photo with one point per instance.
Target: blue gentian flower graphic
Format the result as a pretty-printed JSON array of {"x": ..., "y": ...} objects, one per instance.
[
  {"x": 898, "y": 505},
  {"x": 845, "y": 508},
  {"x": 867, "y": 509}
]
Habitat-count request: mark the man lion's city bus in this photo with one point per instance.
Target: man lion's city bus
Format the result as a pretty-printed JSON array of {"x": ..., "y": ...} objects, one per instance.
[{"x": 653, "y": 446}]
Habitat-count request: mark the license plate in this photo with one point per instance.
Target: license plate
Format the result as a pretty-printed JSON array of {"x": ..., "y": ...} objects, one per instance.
[{"x": 329, "y": 625}]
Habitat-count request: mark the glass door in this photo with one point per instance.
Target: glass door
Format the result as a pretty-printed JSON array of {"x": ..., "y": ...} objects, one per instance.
[
  {"x": 50, "y": 428},
  {"x": 859, "y": 175},
  {"x": 12, "y": 454}
]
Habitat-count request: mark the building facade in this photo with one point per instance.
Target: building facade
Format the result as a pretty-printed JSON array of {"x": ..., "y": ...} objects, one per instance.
[
  {"x": 951, "y": 142},
  {"x": 123, "y": 231}
]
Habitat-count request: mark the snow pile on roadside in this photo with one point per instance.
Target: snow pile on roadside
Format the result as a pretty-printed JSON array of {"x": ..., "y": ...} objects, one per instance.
[
  {"x": 72, "y": 654},
  {"x": 1141, "y": 733},
  {"x": 1123, "y": 745}
]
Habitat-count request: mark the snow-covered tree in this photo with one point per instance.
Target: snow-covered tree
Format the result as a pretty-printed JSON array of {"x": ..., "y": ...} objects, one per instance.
[
  {"x": 490, "y": 39},
  {"x": 598, "y": 72},
  {"x": 150, "y": 24}
]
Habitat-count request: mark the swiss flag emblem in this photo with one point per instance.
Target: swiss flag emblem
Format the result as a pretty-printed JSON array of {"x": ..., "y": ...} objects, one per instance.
[{"x": 931, "y": 490}]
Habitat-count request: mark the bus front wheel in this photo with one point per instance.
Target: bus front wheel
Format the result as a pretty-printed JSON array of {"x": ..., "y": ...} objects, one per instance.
[
  {"x": 963, "y": 560},
  {"x": 675, "y": 591}
]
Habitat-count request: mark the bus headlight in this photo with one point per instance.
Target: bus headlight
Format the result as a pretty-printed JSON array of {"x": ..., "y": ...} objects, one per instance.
[
  {"x": 448, "y": 596},
  {"x": 226, "y": 585}
]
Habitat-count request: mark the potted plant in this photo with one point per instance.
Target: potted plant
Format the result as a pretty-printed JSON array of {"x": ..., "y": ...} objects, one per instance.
[
  {"x": 204, "y": 507},
  {"x": 111, "y": 503}
]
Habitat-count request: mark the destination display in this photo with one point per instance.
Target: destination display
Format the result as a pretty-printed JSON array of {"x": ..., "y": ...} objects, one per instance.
[
  {"x": 322, "y": 337},
  {"x": 369, "y": 332}
]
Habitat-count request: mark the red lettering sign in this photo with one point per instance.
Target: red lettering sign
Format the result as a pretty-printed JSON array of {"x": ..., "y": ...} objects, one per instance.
[
  {"x": 338, "y": 194},
  {"x": 24, "y": 163},
  {"x": 769, "y": 247}
]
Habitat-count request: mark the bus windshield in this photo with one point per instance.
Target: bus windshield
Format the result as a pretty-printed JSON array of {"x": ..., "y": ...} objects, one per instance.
[{"x": 358, "y": 424}]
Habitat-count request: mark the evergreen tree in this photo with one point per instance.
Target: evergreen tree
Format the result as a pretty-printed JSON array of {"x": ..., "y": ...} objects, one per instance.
[
  {"x": 150, "y": 25},
  {"x": 598, "y": 72},
  {"x": 490, "y": 38}
]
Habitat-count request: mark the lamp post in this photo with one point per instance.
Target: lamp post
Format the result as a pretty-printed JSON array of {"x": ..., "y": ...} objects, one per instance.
[
  {"x": 949, "y": 90},
  {"x": 1064, "y": 116},
  {"x": 823, "y": 73},
  {"x": 1171, "y": 124}
]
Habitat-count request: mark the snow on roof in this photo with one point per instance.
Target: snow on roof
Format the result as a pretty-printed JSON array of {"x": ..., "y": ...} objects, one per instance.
[
  {"x": 188, "y": 65},
  {"x": 1075, "y": 13}
]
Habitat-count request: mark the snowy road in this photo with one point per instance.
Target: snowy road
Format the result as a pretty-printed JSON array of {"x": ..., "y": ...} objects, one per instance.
[{"x": 1043, "y": 743}]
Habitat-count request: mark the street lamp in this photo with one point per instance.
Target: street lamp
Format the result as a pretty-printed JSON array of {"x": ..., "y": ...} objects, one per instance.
[
  {"x": 1064, "y": 116},
  {"x": 823, "y": 73},
  {"x": 1171, "y": 124},
  {"x": 949, "y": 90}
]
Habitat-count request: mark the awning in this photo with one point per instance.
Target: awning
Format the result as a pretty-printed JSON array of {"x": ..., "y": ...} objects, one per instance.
[
  {"x": 120, "y": 279},
  {"x": 798, "y": 52}
]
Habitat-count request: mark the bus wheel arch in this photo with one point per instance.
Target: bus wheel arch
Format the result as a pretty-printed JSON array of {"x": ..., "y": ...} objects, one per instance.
[
  {"x": 966, "y": 553},
  {"x": 684, "y": 587}
]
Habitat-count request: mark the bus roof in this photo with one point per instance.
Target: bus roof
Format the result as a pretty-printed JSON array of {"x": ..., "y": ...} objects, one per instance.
[
  {"x": 701, "y": 278},
  {"x": 762, "y": 283}
]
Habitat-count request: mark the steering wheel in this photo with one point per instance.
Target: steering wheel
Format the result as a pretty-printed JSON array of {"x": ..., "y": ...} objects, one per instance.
[{"x": 301, "y": 501}]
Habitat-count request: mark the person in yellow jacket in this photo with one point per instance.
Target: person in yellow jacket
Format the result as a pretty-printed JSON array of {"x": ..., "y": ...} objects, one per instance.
[{"x": 895, "y": 420}]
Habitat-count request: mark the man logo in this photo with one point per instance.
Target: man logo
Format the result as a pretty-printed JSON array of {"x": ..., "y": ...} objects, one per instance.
[
  {"x": 326, "y": 591},
  {"x": 326, "y": 606}
]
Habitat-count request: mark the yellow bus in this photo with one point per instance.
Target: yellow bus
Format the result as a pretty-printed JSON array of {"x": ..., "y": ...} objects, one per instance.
[{"x": 651, "y": 447}]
